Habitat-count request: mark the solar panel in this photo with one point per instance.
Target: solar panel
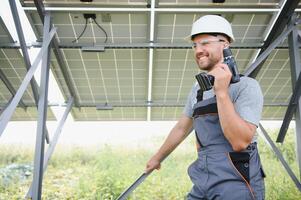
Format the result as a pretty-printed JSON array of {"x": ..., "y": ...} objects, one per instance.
[{"x": 120, "y": 76}]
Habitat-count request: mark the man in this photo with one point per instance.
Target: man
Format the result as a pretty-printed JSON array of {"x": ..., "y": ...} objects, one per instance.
[{"x": 224, "y": 118}]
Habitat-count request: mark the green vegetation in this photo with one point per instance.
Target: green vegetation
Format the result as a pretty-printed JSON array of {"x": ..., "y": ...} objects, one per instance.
[{"x": 104, "y": 172}]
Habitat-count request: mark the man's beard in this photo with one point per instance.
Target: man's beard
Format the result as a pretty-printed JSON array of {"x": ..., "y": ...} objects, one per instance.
[{"x": 209, "y": 64}]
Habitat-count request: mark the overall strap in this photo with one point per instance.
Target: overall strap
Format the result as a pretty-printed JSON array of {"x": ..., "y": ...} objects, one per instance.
[{"x": 199, "y": 98}]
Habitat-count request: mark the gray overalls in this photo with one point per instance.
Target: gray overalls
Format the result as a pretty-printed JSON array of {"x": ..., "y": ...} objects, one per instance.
[{"x": 219, "y": 172}]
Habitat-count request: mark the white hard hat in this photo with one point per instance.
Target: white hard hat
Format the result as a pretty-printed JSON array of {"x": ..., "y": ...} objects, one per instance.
[{"x": 211, "y": 24}]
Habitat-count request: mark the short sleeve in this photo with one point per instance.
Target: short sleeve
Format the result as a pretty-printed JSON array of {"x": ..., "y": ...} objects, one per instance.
[
  {"x": 189, "y": 104},
  {"x": 249, "y": 102}
]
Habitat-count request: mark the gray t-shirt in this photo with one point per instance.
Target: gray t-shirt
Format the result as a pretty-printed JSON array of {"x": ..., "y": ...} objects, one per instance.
[{"x": 246, "y": 96}]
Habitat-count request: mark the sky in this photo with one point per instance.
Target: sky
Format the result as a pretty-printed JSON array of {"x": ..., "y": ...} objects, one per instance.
[{"x": 80, "y": 133}]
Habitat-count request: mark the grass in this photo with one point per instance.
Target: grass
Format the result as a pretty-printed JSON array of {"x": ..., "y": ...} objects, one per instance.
[{"x": 104, "y": 172}]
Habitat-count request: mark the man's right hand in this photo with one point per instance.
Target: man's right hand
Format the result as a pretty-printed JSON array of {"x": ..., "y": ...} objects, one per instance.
[
  {"x": 152, "y": 164},
  {"x": 178, "y": 133}
]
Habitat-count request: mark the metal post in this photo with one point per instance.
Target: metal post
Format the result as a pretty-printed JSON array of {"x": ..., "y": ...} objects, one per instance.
[
  {"x": 8, "y": 112},
  {"x": 295, "y": 72},
  {"x": 42, "y": 108},
  {"x": 54, "y": 141}
]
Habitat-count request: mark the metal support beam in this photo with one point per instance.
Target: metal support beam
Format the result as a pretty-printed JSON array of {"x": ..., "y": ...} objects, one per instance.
[
  {"x": 137, "y": 104},
  {"x": 163, "y": 10},
  {"x": 8, "y": 112},
  {"x": 22, "y": 41},
  {"x": 103, "y": 47},
  {"x": 150, "y": 45},
  {"x": 54, "y": 141},
  {"x": 296, "y": 81},
  {"x": 280, "y": 157},
  {"x": 286, "y": 11},
  {"x": 151, "y": 59},
  {"x": 33, "y": 83},
  {"x": 268, "y": 50},
  {"x": 10, "y": 87},
  {"x": 293, "y": 105},
  {"x": 58, "y": 54},
  {"x": 40, "y": 143},
  {"x": 295, "y": 101}
]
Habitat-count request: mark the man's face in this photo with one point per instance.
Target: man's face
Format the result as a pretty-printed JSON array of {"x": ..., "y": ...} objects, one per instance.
[{"x": 208, "y": 50}]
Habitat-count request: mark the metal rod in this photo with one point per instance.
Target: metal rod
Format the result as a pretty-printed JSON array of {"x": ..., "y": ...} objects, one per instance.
[
  {"x": 7, "y": 114},
  {"x": 42, "y": 117},
  {"x": 280, "y": 157},
  {"x": 132, "y": 187},
  {"x": 54, "y": 141}
]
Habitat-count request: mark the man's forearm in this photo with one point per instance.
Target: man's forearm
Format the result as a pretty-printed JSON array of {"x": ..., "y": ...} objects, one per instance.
[
  {"x": 237, "y": 131},
  {"x": 172, "y": 141}
]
